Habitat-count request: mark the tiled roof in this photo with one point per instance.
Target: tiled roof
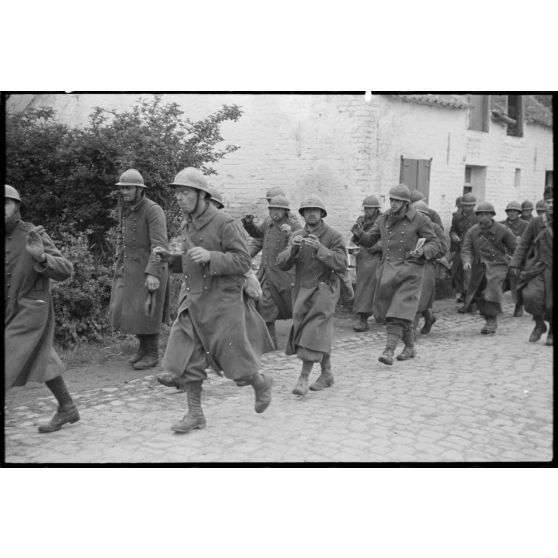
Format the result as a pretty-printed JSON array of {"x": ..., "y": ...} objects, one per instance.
[{"x": 447, "y": 101}]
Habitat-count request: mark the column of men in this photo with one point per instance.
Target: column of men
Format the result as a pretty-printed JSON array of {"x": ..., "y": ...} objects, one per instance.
[{"x": 226, "y": 314}]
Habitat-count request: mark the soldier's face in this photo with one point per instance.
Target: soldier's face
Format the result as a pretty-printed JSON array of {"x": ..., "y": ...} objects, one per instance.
[
  {"x": 485, "y": 219},
  {"x": 187, "y": 199},
  {"x": 526, "y": 213},
  {"x": 370, "y": 211},
  {"x": 11, "y": 208},
  {"x": 312, "y": 215},
  {"x": 467, "y": 209},
  {"x": 396, "y": 205},
  {"x": 549, "y": 204},
  {"x": 276, "y": 213},
  {"x": 129, "y": 193},
  {"x": 513, "y": 215}
]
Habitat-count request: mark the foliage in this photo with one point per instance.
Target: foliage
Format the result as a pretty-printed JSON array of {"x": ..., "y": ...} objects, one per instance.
[
  {"x": 81, "y": 302},
  {"x": 67, "y": 175}
]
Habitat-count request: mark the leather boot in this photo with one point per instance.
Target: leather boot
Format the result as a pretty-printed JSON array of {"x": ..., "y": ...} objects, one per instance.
[
  {"x": 301, "y": 387},
  {"x": 362, "y": 324},
  {"x": 325, "y": 379},
  {"x": 151, "y": 356},
  {"x": 409, "y": 349},
  {"x": 490, "y": 326},
  {"x": 394, "y": 334},
  {"x": 271, "y": 329},
  {"x": 172, "y": 380},
  {"x": 67, "y": 410},
  {"x": 194, "y": 419},
  {"x": 140, "y": 352},
  {"x": 518, "y": 311},
  {"x": 429, "y": 321},
  {"x": 540, "y": 328},
  {"x": 262, "y": 388}
]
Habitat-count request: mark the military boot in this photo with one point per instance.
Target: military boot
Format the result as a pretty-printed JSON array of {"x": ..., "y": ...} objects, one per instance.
[
  {"x": 409, "y": 349},
  {"x": 518, "y": 311},
  {"x": 394, "y": 334},
  {"x": 429, "y": 321},
  {"x": 194, "y": 419},
  {"x": 540, "y": 328},
  {"x": 490, "y": 326},
  {"x": 301, "y": 387},
  {"x": 271, "y": 329},
  {"x": 262, "y": 388},
  {"x": 151, "y": 357},
  {"x": 325, "y": 379},
  {"x": 362, "y": 324},
  {"x": 140, "y": 352},
  {"x": 172, "y": 380}
]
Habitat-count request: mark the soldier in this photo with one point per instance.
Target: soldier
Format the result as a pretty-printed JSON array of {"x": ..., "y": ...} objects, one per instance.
[
  {"x": 408, "y": 241},
  {"x": 140, "y": 281},
  {"x": 486, "y": 251},
  {"x": 32, "y": 260},
  {"x": 216, "y": 323},
  {"x": 460, "y": 224},
  {"x": 527, "y": 210},
  {"x": 516, "y": 226},
  {"x": 428, "y": 290},
  {"x": 540, "y": 207},
  {"x": 318, "y": 253},
  {"x": 534, "y": 256},
  {"x": 367, "y": 261},
  {"x": 276, "y": 284},
  {"x": 416, "y": 195}
]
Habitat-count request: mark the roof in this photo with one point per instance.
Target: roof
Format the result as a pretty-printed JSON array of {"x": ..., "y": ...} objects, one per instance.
[{"x": 447, "y": 101}]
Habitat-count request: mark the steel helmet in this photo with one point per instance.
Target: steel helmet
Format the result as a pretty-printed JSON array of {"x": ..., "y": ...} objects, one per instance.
[
  {"x": 371, "y": 201},
  {"x": 421, "y": 207},
  {"x": 192, "y": 178},
  {"x": 12, "y": 193},
  {"x": 527, "y": 205},
  {"x": 400, "y": 192},
  {"x": 416, "y": 195},
  {"x": 279, "y": 202},
  {"x": 485, "y": 207},
  {"x": 131, "y": 177},
  {"x": 515, "y": 206},
  {"x": 275, "y": 191},
  {"x": 468, "y": 199},
  {"x": 312, "y": 202},
  {"x": 458, "y": 201},
  {"x": 540, "y": 206},
  {"x": 216, "y": 197}
]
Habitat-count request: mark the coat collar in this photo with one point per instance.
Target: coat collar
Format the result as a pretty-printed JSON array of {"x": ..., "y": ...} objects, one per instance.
[
  {"x": 205, "y": 217},
  {"x": 318, "y": 231},
  {"x": 135, "y": 207}
]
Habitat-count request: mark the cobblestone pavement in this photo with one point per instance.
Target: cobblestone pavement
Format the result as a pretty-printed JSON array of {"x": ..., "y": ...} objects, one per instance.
[{"x": 465, "y": 397}]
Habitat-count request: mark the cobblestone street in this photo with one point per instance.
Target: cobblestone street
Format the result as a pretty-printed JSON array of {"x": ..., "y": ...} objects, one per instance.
[{"x": 465, "y": 397}]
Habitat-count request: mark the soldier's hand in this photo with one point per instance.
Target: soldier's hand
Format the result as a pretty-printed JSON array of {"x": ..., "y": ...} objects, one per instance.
[
  {"x": 467, "y": 266},
  {"x": 417, "y": 253},
  {"x": 252, "y": 287},
  {"x": 199, "y": 255},
  {"x": 454, "y": 237},
  {"x": 286, "y": 228},
  {"x": 514, "y": 271},
  {"x": 162, "y": 254},
  {"x": 312, "y": 241},
  {"x": 297, "y": 240},
  {"x": 34, "y": 245},
  {"x": 152, "y": 283},
  {"x": 356, "y": 229}
]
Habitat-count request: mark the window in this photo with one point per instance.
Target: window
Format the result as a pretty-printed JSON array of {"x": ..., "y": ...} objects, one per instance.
[
  {"x": 415, "y": 173},
  {"x": 475, "y": 181},
  {"x": 515, "y": 115},
  {"x": 517, "y": 178},
  {"x": 479, "y": 112},
  {"x": 549, "y": 179}
]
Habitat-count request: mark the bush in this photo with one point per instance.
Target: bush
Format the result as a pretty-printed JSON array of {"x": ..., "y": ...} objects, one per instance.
[{"x": 81, "y": 303}]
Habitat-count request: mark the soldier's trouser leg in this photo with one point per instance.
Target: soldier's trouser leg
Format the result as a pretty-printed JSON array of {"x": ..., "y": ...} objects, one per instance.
[
  {"x": 271, "y": 329},
  {"x": 362, "y": 324},
  {"x": 550, "y": 336},
  {"x": 67, "y": 410},
  {"x": 301, "y": 387},
  {"x": 140, "y": 351},
  {"x": 325, "y": 379},
  {"x": 394, "y": 330},
  {"x": 409, "y": 340},
  {"x": 490, "y": 311}
]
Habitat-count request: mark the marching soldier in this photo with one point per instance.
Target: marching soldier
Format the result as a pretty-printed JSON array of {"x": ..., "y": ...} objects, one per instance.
[
  {"x": 462, "y": 221},
  {"x": 216, "y": 324},
  {"x": 516, "y": 226},
  {"x": 417, "y": 195},
  {"x": 533, "y": 257},
  {"x": 276, "y": 284},
  {"x": 540, "y": 207},
  {"x": 137, "y": 302},
  {"x": 367, "y": 261},
  {"x": 32, "y": 260},
  {"x": 527, "y": 210},
  {"x": 486, "y": 251},
  {"x": 428, "y": 290},
  {"x": 318, "y": 253},
  {"x": 408, "y": 241}
]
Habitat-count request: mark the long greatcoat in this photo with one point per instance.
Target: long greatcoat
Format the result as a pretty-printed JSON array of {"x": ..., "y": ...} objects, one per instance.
[
  {"x": 534, "y": 256},
  {"x": 316, "y": 288},
  {"x": 232, "y": 332},
  {"x": 460, "y": 224},
  {"x": 400, "y": 276},
  {"x": 367, "y": 263},
  {"x": 29, "y": 323},
  {"x": 489, "y": 253},
  {"x": 142, "y": 228},
  {"x": 428, "y": 290},
  {"x": 275, "y": 281}
]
